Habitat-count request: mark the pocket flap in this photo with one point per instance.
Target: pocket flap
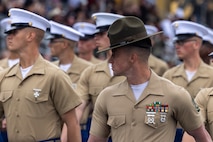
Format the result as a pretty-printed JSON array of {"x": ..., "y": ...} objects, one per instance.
[
  {"x": 116, "y": 121},
  {"x": 4, "y": 96},
  {"x": 39, "y": 99},
  {"x": 95, "y": 90}
]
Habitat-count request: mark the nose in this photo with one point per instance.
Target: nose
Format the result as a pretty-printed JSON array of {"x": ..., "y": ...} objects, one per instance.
[
  {"x": 49, "y": 44},
  {"x": 79, "y": 43},
  {"x": 96, "y": 37},
  {"x": 9, "y": 36},
  {"x": 177, "y": 46}
]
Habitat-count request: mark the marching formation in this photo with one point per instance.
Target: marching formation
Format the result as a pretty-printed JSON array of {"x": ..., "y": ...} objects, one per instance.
[{"x": 104, "y": 81}]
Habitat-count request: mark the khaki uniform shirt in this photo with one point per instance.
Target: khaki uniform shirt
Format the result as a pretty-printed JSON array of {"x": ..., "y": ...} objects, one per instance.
[
  {"x": 77, "y": 67},
  {"x": 95, "y": 60},
  {"x": 202, "y": 79},
  {"x": 4, "y": 63},
  {"x": 204, "y": 100},
  {"x": 94, "y": 79},
  {"x": 74, "y": 72},
  {"x": 33, "y": 106},
  {"x": 157, "y": 65},
  {"x": 152, "y": 118}
]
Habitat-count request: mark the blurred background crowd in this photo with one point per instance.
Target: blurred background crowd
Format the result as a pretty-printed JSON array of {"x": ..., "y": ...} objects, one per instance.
[{"x": 159, "y": 13}]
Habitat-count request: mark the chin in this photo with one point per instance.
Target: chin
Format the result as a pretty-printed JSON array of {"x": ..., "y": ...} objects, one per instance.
[
  {"x": 180, "y": 57},
  {"x": 116, "y": 74},
  {"x": 11, "y": 49}
]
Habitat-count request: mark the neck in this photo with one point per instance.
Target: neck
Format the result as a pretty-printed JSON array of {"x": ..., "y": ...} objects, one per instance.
[
  {"x": 28, "y": 59},
  {"x": 86, "y": 56},
  {"x": 139, "y": 75},
  {"x": 13, "y": 56},
  {"x": 192, "y": 64},
  {"x": 66, "y": 58}
]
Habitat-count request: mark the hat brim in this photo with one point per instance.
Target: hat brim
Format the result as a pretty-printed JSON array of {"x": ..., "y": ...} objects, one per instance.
[
  {"x": 53, "y": 36},
  {"x": 127, "y": 43},
  {"x": 183, "y": 36},
  {"x": 12, "y": 29},
  {"x": 101, "y": 29},
  {"x": 87, "y": 37}
]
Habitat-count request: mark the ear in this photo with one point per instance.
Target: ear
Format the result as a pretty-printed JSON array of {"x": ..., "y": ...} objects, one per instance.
[
  {"x": 198, "y": 44},
  {"x": 133, "y": 57},
  {"x": 65, "y": 44},
  {"x": 30, "y": 36}
]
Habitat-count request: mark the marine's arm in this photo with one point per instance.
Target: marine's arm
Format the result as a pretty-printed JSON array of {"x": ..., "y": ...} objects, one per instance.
[
  {"x": 200, "y": 134},
  {"x": 96, "y": 139},
  {"x": 73, "y": 128}
]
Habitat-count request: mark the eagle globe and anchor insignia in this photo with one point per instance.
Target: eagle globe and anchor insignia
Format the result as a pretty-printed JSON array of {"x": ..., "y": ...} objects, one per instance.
[{"x": 36, "y": 93}]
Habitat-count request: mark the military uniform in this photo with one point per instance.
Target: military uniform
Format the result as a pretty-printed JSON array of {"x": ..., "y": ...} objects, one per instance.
[
  {"x": 98, "y": 76},
  {"x": 33, "y": 105},
  {"x": 202, "y": 79},
  {"x": 195, "y": 77},
  {"x": 74, "y": 72},
  {"x": 77, "y": 67},
  {"x": 207, "y": 48},
  {"x": 95, "y": 60},
  {"x": 3, "y": 138},
  {"x": 94, "y": 79},
  {"x": 152, "y": 118},
  {"x": 204, "y": 100},
  {"x": 88, "y": 29},
  {"x": 157, "y": 65},
  {"x": 4, "y": 63}
]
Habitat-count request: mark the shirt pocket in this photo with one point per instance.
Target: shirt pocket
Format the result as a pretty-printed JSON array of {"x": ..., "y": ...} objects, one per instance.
[
  {"x": 5, "y": 96},
  {"x": 118, "y": 129},
  {"x": 40, "y": 99},
  {"x": 37, "y": 107},
  {"x": 116, "y": 121},
  {"x": 156, "y": 120},
  {"x": 6, "y": 99}
]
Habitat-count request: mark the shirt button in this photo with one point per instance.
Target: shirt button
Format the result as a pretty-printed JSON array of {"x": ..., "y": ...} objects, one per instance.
[
  {"x": 17, "y": 131},
  {"x": 17, "y": 99},
  {"x": 133, "y": 123},
  {"x": 17, "y": 115}
]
